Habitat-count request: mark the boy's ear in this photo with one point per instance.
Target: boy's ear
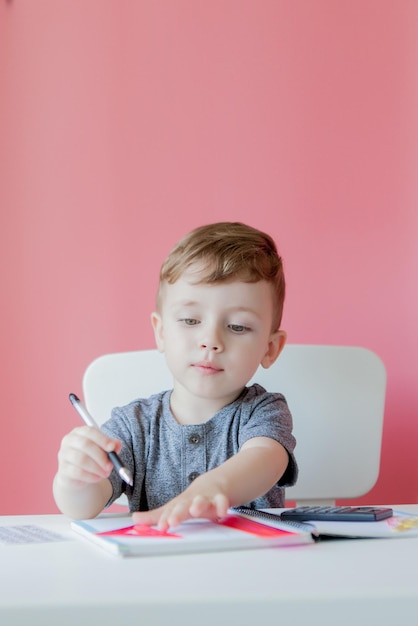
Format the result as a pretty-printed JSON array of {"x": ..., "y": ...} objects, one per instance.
[
  {"x": 157, "y": 325},
  {"x": 276, "y": 344}
]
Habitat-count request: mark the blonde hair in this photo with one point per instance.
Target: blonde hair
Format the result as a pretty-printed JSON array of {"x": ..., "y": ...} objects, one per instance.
[{"x": 227, "y": 251}]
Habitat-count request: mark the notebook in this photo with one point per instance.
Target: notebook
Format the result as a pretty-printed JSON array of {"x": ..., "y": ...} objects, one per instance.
[
  {"x": 117, "y": 535},
  {"x": 400, "y": 525}
]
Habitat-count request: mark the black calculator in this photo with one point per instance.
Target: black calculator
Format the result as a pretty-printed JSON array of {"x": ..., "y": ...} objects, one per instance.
[{"x": 337, "y": 513}]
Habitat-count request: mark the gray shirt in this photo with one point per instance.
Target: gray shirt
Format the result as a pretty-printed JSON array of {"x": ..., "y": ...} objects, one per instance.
[{"x": 165, "y": 456}]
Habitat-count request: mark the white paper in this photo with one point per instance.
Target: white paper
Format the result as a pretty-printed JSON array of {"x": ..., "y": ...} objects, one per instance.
[{"x": 29, "y": 533}]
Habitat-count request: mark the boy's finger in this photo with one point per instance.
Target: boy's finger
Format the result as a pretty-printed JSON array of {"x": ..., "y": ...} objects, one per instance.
[
  {"x": 198, "y": 506},
  {"x": 97, "y": 436},
  {"x": 221, "y": 504},
  {"x": 149, "y": 518}
]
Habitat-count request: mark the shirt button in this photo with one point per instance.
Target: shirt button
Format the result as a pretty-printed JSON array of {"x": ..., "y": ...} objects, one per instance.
[
  {"x": 193, "y": 476},
  {"x": 195, "y": 438}
]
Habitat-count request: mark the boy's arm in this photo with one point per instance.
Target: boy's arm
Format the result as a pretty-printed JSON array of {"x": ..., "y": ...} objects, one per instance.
[
  {"x": 247, "y": 475},
  {"x": 81, "y": 488}
]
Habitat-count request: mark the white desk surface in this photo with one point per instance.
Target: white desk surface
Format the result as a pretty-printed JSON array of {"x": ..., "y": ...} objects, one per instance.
[{"x": 339, "y": 582}]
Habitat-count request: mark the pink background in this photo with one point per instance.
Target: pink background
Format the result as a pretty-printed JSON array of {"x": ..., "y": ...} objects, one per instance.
[{"x": 125, "y": 124}]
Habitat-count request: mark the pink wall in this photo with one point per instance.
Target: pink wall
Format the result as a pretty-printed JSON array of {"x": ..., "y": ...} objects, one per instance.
[{"x": 124, "y": 125}]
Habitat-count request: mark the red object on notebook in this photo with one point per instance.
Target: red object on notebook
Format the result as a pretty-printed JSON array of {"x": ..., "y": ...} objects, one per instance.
[
  {"x": 254, "y": 528},
  {"x": 140, "y": 530}
]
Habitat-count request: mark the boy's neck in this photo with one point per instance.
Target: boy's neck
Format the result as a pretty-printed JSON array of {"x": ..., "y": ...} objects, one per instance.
[{"x": 189, "y": 409}]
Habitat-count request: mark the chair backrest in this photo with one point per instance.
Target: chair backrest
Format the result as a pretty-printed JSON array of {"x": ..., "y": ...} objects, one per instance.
[{"x": 336, "y": 396}]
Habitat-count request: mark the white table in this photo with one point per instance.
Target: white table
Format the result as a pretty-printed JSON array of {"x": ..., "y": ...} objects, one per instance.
[{"x": 334, "y": 583}]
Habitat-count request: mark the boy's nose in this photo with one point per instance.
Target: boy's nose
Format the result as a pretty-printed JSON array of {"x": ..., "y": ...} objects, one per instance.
[
  {"x": 212, "y": 341},
  {"x": 209, "y": 346}
]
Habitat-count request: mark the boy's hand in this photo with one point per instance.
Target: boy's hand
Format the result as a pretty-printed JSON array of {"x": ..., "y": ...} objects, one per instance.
[
  {"x": 252, "y": 471},
  {"x": 198, "y": 500},
  {"x": 82, "y": 458}
]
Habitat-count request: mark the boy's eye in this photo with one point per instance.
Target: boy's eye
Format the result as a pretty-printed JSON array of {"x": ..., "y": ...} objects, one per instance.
[
  {"x": 238, "y": 328},
  {"x": 189, "y": 321}
]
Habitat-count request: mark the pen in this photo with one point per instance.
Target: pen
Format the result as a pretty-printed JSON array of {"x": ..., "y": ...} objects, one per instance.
[{"x": 123, "y": 472}]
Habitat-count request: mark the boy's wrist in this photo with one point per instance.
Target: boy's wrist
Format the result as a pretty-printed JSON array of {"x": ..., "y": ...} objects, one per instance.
[{"x": 81, "y": 500}]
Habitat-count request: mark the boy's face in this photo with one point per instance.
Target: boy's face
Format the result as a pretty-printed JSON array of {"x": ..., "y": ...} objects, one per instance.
[{"x": 215, "y": 336}]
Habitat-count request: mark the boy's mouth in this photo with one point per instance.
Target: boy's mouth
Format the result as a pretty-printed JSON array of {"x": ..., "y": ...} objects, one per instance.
[{"x": 205, "y": 367}]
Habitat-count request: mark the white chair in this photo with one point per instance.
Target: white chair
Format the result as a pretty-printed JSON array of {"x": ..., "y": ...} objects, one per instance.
[{"x": 336, "y": 396}]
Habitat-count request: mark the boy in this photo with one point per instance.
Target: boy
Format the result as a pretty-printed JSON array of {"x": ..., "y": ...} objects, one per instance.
[{"x": 210, "y": 442}]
